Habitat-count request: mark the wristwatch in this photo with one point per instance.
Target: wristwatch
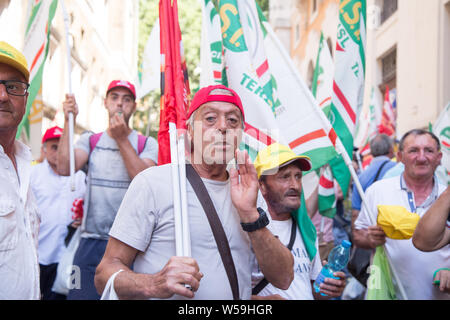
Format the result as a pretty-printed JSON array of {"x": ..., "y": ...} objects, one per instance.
[{"x": 258, "y": 224}]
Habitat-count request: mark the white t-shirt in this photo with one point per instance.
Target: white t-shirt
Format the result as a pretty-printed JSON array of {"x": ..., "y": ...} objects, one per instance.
[
  {"x": 108, "y": 180},
  {"x": 54, "y": 198},
  {"x": 145, "y": 221},
  {"x": 305, "y": 270},
  {"x": 415, "y": 268}
]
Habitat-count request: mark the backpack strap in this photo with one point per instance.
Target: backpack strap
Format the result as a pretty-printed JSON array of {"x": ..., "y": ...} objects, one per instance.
[
  {"x": 93, "y": 140},
  {"x": 142, "y": 141}
]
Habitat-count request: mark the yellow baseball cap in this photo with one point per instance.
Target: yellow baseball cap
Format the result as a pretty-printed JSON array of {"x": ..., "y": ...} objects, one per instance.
[
  {"x": 275, "y": 156},
  {"x": 14, "y": 58},
  {"x": 397, "y": 222}
]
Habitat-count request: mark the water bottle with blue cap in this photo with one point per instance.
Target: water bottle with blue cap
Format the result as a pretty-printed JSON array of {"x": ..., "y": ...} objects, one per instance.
[{"x": 337, "y": 261}]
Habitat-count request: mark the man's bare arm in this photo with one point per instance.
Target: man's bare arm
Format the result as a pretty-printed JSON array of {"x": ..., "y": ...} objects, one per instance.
[
  {"x": 431, "y": 232},
  {"x": 130, "y": 285}
]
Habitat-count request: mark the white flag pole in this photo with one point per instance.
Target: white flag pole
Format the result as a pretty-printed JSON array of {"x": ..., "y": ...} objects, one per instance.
[
  {"x": 176, "y": 190},
  {"x": 69, "y": 82},
  {"x": 183, "y": 196}
]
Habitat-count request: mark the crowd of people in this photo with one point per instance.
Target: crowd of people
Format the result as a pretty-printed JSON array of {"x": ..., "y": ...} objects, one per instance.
[{"x": 250, "y": 237}]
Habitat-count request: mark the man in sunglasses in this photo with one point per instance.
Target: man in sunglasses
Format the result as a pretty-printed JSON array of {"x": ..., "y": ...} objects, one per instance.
[{"x": 19, "y": 218}]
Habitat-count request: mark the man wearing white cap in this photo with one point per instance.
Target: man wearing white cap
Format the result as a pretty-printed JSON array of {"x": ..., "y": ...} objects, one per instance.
[
  {"x": 54, "y": 198},
  {"x": 19, "y": 218}
]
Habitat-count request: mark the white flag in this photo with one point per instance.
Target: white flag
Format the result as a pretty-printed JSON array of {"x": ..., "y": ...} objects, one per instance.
[{"x": 149, "y": 77}]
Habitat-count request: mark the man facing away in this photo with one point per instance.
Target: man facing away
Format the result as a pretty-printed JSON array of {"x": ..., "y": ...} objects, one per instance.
[
  {"x": 416, "y": 189},
  {"x": 280, "y": 173},
  {"x": 143, "y": 235},
  {"x": 19, "y": 218},
  {"x": 114, "y": 158},
  {"x": 54, "y": 198}
]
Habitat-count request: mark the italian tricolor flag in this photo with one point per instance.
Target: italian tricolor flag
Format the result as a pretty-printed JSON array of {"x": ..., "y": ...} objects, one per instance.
[
  {"x": 278, "y": 104},
  {"x": 37, "y": 40},
  {"x": 348, "y": 86}
]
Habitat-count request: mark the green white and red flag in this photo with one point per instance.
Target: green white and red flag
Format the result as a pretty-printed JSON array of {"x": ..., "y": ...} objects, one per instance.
[
  {"x": 278, "y": 104},
  {"x": 387, "y": 125},
  {"x": 327, "y": 196},
  {"x": 441, "y": 129},
  {"x": 322, "y": 85},
  {"x": 211, "y": 49},
  {"x": 175, "y": 92},
  {"x": 37, "y": 42},
  {"x": 348, "y": 86}
]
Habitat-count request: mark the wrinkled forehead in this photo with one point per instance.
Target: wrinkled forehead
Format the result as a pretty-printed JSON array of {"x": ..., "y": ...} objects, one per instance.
[
  {"x": 420, "y": 140},
  {"x": 219, "y": 107}
]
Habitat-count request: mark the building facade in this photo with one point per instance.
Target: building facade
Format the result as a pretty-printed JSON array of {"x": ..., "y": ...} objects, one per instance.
[
  {"x": 103, "y": 37},
  {"x": 407, "y": 49}
]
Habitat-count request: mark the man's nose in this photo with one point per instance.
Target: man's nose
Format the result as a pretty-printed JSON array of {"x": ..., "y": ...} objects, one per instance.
[
  {"x": 222, "y": 124},
  {"x": 3, "y": 92}
]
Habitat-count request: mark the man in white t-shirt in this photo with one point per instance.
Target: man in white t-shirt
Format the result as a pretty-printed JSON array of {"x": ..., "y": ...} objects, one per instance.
[
  {"x": 54, "y": 197},
  {"x": 113, "y": 158},
  {"x": 142, "y": 238},
  {"x": 280, "y": 178},
  {"x": 416, "y": 189}
]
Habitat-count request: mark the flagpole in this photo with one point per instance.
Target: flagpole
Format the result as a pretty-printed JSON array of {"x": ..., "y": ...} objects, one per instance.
[
  {"x": 339, "y": 146},
  {"x": 69, "y": 83},
  {"x": 174, "y": 161}
]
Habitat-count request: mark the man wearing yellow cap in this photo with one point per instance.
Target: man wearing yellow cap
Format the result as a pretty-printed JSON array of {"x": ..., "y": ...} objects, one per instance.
[
  {"x": 19, "y": 219},
  {"x": 279, "y": 172}
]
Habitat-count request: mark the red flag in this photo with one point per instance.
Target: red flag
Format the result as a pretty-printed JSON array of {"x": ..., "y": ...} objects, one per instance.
[
  {"x": 387, "y": 125},
  {"x": 175, "y": 90}
]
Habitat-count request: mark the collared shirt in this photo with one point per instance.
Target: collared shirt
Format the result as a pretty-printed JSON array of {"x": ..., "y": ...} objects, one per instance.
[
  {"x": 54, "y": 199},
  {"x": 19, "y": 227},
  {"x": 414, "y": 267}
]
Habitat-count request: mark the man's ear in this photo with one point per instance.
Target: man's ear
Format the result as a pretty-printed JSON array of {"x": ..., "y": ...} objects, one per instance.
[
  {"x": 399, "y": 156},
  {"x": 262, "y": 186}
]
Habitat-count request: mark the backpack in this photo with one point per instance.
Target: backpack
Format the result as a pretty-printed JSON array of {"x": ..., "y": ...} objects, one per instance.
[{"x": 93, "y": 140}]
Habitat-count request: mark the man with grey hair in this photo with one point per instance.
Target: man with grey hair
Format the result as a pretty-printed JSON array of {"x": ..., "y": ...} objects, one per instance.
[{"x": 141, "y": 248}]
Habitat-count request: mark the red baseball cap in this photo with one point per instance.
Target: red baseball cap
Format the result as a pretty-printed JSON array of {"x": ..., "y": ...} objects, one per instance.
[
  {"x": 203, "y": 96},
  {"x": 123, "y": 84},
  {"x": 52, "y": 133}
]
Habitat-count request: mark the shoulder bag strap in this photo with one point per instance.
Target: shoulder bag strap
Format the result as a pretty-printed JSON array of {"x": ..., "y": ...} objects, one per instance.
[
  {"x": 216, "y": 226},
  {"x": 263, "y": 283},
  {"x": 379, "y": 170}
]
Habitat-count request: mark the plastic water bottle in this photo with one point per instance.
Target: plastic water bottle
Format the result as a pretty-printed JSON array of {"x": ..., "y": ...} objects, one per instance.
[{"x": 337, "y": 260}]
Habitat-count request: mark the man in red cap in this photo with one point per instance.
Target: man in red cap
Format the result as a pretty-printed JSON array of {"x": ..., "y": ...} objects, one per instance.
[
  {"x": 141, "y": 249},
  {"x": 114, "y": 158},
  {"x": 54, "y": 198}
]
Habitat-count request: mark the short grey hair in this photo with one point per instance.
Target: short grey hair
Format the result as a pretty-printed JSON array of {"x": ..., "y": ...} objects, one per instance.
[{"x": 381, "y": 145}]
